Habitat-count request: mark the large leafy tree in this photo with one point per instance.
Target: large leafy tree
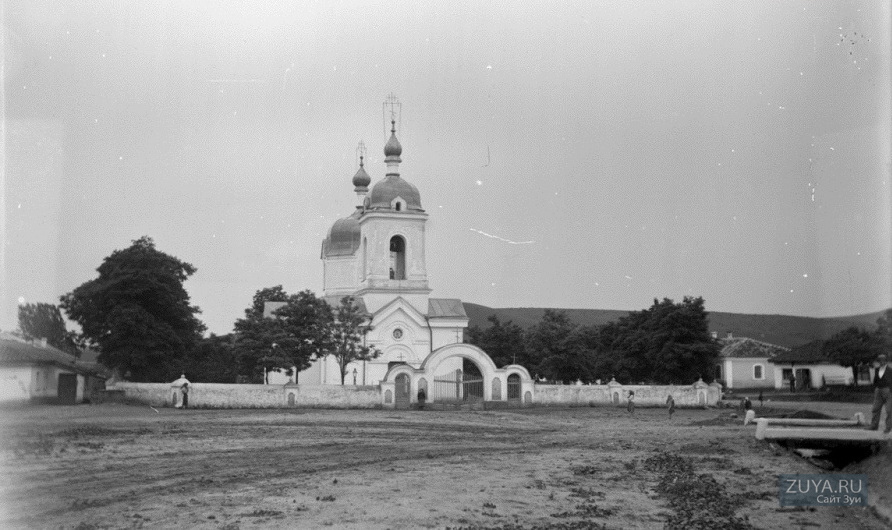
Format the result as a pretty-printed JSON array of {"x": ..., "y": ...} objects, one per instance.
[
  {"x": 503, "y": 342},
  {"x": 347, "y": 331},
  {"x": 290, "y": 338},
  {"x": 44, "y": 321},
  {"x": 137, "y": 312},
  {"x": 853, "y": 347},
  {"x": 667, "y": 343},
  {"x": 213, "y": 360}
]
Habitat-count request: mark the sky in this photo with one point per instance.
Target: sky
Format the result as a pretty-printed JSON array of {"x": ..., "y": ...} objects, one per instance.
[{"x": 570, "y": 154}]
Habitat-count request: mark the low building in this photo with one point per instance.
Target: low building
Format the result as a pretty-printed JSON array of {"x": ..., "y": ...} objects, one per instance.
[
  {"x": 36, "y": 371},
  {"x": 811, "y": 368},
  {"x": 744, "y": 363}
]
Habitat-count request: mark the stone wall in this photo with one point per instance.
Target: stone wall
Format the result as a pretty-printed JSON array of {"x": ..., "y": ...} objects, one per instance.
[
  {"x": 697, "y": 395},
  {"x": 222, "y": 396}
]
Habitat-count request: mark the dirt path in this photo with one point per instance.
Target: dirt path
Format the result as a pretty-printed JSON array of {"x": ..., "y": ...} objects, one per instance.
[{"x": 131, "y": 467}]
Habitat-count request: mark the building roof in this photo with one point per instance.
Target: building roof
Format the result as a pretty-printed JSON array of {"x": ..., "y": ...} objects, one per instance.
[
  {"x": 744, "y": 347},
  {"x": 343, "y": 237},
  {"x": 335, "y": 300},
  {"x": 16, "y": 351},
  {"x": 810, "y": 353},
  {"x": 393, "y": 186},
  {"x": 445, "y": 308}
]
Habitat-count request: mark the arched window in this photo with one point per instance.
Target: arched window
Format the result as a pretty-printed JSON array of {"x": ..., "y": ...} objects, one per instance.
[{"x": 397, "y": 258}]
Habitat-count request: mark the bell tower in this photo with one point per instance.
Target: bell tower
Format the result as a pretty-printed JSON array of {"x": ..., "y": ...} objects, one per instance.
[{"x": 392, "y": 228}]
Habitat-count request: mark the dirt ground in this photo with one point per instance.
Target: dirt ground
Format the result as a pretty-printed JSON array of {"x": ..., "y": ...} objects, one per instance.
[{"x": 118, "y": 466}]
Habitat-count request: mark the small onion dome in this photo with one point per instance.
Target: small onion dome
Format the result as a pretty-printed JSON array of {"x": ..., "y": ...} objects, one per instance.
[
  {"x": 361, "y": 180},
  {"x": 393, "y": 147},
  {"x": 343, "y": 237},
  {"x": 393, "y": 186}
]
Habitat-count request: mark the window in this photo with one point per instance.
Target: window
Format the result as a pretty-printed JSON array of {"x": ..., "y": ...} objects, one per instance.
[
  {"x": 758, "y": 371},
  {"x": 397, "y": 258},
  {"x": 787, "y": 374}
]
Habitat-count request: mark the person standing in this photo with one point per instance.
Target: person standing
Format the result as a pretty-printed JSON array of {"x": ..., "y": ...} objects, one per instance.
[
  {"x": 631, "y": 405},
  {"x": 185, "y": 390},
  {"x": 671, "y": 402},
  {"x": 882, "y": 394},
  {"x": 792, "y": 382}
]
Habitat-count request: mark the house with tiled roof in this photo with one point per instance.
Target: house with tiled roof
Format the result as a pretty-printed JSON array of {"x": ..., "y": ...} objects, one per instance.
[
  {"x": 811, "y": 368},
  {"x": 743, "y": 363},
  {"x": 36, "y": 371}
]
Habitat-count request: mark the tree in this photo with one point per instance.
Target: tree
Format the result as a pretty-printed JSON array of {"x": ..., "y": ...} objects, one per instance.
[
  {"x": 295, "y": 333},
  {"x": 502, "y": 342},
  {"x": 666, "y": 343},
  {"x": 137, "y": 312},
  {"x": 213, "y": 360},
  {"x": 853, "y": 347},
  {"x": 884, "y": 330},
  {"x": 347, "y": 332},
  {"x": 554, "y": 349},
  {"x": 44, "y": 321}
]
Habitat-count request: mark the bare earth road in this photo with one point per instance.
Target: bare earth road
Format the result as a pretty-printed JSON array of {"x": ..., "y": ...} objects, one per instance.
[{"x": 116, "y": 466}]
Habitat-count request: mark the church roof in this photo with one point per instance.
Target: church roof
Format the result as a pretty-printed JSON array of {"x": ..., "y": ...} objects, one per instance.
[
  {"x": 445, "y": 308},
  {"x": 393, "y": 186},
  {"x": 343, "y": 237},
  {"x": 335, "y": 301}
]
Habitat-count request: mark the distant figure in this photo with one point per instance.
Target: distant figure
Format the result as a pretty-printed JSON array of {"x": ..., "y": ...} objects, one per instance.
[
  {"x": 671, "y": 402},
  {"x": 792, "y": 383},
  {"x": 760, "y": 399},
  {"x": 631, "y": 405},
  {"x": 882, "y": 394},
  {"x": 422, "y": 398},
  {"x": 392, "y": 273},
  {"x": 750, "y": 416},
  {"x": 185, "y": 390},
  {"x": 747, "y": 404}
]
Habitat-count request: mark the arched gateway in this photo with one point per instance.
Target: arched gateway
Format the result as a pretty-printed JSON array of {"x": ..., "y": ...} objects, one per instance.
[{"x": 446, "y": 382}]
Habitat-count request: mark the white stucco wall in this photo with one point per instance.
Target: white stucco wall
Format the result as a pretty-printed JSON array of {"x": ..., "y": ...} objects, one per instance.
[{"x": 15, "y": 384}]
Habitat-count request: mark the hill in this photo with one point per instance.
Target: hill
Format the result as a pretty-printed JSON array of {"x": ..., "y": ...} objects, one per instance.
[{"x": 783, "y": 330}]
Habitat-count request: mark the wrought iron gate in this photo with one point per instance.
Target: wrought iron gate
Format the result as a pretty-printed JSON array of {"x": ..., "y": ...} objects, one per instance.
[{"x": 456, "y": 387}]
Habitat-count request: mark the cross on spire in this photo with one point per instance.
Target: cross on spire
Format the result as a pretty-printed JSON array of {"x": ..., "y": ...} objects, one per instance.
[
  {"x": 360, "y": 152},
  {"x": 396, "y": 112}
]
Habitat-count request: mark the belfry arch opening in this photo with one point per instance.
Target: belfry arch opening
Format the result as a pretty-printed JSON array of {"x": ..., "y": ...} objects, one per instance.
[{"x": 397, "y": 258}]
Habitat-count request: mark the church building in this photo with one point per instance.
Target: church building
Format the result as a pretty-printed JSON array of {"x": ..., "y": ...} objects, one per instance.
[{"x": 377, "y": 256}]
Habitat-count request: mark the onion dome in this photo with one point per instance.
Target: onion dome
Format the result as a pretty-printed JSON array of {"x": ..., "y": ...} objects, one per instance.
[
  {"x": 343, "y": 237},
  {"x": 361, "y": 179},
  {"x": 385, "y": 191},
  {"x": 393, "y": 147}
]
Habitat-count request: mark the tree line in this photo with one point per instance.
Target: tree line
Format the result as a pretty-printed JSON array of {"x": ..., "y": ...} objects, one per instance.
[
  {"x": 137, "y": 314},
  {"x": 666, "y": 343}
]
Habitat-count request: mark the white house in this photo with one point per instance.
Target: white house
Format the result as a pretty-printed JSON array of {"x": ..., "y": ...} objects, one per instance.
[
  {"x": 744, "y": 363},
  {"x": 37, "y": 371}
]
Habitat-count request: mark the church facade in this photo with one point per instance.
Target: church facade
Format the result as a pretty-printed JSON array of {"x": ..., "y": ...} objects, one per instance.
[{"x": 377, "y": 256}]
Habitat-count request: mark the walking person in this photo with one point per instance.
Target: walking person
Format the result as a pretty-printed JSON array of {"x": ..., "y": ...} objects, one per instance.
[
  {"x": 671, "y": 402},
  {"x": 760, "y": 399},
  {"x": 882, "y": 394},
  {"x": 631, "y": 405}
]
